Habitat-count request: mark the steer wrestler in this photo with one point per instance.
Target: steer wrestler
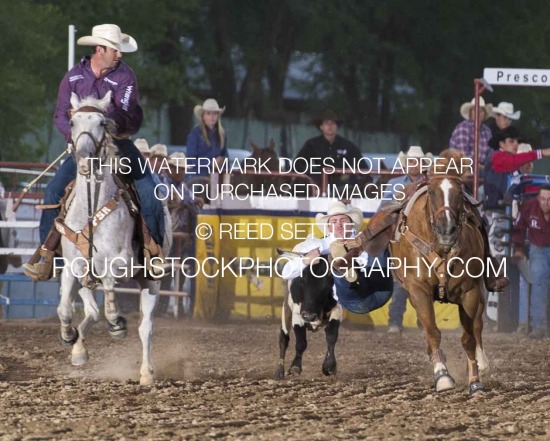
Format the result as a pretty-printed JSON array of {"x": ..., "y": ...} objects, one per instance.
[{"x": 362, "y": 289}]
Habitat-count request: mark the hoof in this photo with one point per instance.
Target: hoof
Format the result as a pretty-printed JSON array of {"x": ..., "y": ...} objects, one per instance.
[
  {"x": 119, "y": 330},
  {"x": 79, "y": 359},
  {"x": 443, "y": 381},
  {"x": 280, "y": 373},
  {"x": 329, "y": 368},
  {"x": 295, "y": 370},
  {"x": 475, "y": 388},
  {"x": 72, "y": 340},
  {"x": 147, "y": 379}
]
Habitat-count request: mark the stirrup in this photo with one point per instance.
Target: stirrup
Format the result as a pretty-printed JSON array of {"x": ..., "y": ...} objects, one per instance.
[
  {"x": 496, "y": 284},
  {"x": 40, "y": 271}
]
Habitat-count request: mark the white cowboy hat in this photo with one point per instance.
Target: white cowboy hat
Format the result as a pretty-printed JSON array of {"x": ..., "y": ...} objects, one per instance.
[
  {"x": 466, "y": 107},
  {"x": 414, "y": 151},
  {"x": 142, "y": 145},
  {"x": 355, "y": 214},
  {"x": 109, "y": 35},
  {"x": 159, "y": 150},
  {"x": 522, "y": 148},
  {"x": 210, "y": 105},
  {"x": 177, "y": 159},
  {"x": 507, "y": 109}
]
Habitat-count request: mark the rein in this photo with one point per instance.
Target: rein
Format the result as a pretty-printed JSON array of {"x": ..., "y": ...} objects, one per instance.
[
  {"x": 437, "y": 260},
  {"x": 84, "y": 240}
]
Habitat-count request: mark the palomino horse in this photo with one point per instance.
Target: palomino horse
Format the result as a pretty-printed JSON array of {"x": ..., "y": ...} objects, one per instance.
[
  {"x": 103, "y": 252},
  {"x": 444, "y": 251}
]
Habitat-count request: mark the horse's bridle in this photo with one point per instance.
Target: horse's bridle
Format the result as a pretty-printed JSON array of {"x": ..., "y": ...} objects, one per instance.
[
  {"x": 457, "y": 217},
  {"x": 92, "y": 280},
  {"x": 97, "y": 144}
]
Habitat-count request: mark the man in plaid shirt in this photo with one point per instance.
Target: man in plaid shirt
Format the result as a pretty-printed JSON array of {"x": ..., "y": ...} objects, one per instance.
[{"x": 462, "y": 138}]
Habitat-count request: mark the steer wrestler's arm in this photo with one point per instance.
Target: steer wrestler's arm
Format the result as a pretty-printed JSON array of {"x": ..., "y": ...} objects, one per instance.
[{"x": 295, "y": 266}]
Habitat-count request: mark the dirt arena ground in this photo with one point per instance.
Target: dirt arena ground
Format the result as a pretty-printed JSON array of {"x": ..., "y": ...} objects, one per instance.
[{"x": 215, "y": 382}]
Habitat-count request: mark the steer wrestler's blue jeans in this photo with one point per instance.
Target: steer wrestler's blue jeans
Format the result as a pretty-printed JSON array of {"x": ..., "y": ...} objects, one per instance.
[
  {"x": 398, "y": 305},
  {"x": 151, "y": 207},
  {"x": 372, "y": 289}
]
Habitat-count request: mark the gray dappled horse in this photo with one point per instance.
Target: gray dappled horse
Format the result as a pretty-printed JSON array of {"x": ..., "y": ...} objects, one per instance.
[{"x": 113, "y": 251}]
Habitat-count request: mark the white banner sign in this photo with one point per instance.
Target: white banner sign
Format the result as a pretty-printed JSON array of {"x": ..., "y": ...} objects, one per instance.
[{"x": 502, "y": 76}]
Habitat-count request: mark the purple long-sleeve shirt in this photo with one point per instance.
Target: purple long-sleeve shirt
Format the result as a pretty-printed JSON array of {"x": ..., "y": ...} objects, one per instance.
[
  {"x": 462, "y": 139},
  {"x": 125, "y": 110}
]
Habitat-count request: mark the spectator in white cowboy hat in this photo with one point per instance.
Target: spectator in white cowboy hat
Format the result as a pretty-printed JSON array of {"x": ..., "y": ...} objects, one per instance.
[
  {"x": 143, "y": 147},
  {"x": 503, "y": 115},
  {"x": 158, "y": 161},
  {"x": 158, "y": 158},
  {"x": 413, "y": 172},
  {"x": 357, "y": 291},
  {"x": 462, "y": 138},
  {"x": 207, "y": 141}
]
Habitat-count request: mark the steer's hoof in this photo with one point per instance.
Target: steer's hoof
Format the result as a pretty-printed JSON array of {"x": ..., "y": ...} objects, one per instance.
[
  {"x": 295, "y": 370},
  {"x": 329, "y": 367},
  {"x": 475, "y": 388},
  {"x": 280, "y": 373},
  {"x": 119, "y": 330},
  {"x": 443, "y": 381}
]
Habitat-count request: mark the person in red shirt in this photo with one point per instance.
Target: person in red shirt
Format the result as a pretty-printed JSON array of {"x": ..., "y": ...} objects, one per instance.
[
  {"x": 501, "y": 163},
  {"x": 533, "y": 224}
]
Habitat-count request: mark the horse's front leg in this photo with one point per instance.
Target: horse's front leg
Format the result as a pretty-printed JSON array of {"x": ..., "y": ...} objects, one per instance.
[
  {"x": 423, "y": 305},
  {"x": 149, "y": 297},
  {"x": 65, "y": 309},
  {"x": 79, "y": 354},
  {"x": 468, "y": 312},
  {"x": 117, "y": 324},
  {"x": 482, "y": 360}
]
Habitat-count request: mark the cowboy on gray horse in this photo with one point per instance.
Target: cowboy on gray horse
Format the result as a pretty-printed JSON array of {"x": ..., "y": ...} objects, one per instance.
[{"x": 96, "y": 75}]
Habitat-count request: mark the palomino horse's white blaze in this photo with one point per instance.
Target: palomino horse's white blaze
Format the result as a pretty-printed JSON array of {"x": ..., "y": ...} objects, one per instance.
[
  {"x": 446, "y": 187},
  {"x": 113, "y": 250}
]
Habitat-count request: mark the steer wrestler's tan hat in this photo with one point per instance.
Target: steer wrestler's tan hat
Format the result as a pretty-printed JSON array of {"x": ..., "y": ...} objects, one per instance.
[
  {"x": 355, "y": 214},
  {"x": 109, "y": 35}
]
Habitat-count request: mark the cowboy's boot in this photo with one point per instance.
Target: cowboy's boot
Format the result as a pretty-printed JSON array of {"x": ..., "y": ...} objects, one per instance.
[
  {"x": 495, "y": 282},
  {"x": 43, "y": 270}
]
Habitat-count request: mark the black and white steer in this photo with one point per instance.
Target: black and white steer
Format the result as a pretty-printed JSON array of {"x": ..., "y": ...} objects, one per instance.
[{"x": 310, "y": 304}]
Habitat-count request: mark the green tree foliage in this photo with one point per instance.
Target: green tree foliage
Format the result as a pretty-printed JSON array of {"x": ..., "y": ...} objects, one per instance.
[
  {"x": 396, "y": 65},
  {"x": 31, "y": 52}
]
